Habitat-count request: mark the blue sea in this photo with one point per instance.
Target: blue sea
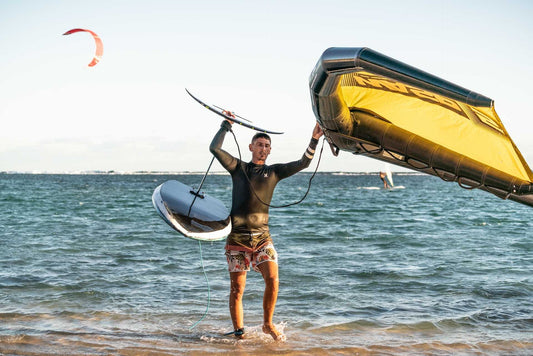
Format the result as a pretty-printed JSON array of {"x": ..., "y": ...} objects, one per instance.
[{"x": 87, "y": 267}]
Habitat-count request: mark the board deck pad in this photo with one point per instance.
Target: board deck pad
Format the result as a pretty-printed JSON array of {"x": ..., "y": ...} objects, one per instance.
[{"x": 207, "y": 219}]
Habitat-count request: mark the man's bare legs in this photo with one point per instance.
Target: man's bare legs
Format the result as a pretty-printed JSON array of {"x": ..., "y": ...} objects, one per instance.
[
  {"x": 269, "y": 271},
  {"x": 238, "y": 282}
]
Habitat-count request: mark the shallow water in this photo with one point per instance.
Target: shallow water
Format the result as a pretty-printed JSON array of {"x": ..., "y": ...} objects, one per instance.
[{"x": 88, "y": 267}]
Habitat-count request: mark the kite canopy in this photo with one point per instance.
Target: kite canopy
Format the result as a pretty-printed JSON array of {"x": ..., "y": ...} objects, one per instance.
[
  {"x": 99, "y": 45},
  {"x": 371, "y": 104}
]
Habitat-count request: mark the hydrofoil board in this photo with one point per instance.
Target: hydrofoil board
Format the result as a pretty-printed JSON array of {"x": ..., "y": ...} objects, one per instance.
[{"x": 195, "y": 215}]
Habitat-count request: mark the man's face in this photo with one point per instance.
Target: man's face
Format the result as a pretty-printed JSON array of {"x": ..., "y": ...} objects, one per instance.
[{"x": 260, "y": 149}]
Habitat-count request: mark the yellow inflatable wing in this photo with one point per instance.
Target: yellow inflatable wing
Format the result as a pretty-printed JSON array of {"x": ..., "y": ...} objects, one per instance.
[{"x": 370, "y": 104}]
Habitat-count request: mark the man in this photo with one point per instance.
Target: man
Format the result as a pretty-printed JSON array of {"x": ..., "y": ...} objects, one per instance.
[
  {"x": 249, "y": 242},
  {"x": 382, "y": 176}
]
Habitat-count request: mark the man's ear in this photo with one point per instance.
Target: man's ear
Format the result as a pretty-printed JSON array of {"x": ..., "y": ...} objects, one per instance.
[{"x": 250, "y": 147}]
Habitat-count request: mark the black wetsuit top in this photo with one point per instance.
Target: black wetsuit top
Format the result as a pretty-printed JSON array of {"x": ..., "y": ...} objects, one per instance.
[{"x": 249, "y": 216}]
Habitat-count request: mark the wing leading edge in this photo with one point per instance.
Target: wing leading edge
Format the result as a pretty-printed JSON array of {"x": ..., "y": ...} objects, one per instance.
[{"x": 371, "y": 104}]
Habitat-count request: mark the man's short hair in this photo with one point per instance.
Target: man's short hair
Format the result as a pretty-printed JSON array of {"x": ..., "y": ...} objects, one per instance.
[{"x": 261, "y": 135}]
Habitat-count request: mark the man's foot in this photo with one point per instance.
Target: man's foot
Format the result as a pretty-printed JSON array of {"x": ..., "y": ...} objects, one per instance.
[
  {"x": 271, "y": 329},
  {"x": 239, "y": 333}
]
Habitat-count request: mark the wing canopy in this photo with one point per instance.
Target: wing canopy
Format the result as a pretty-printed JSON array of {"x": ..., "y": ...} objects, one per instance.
[{"x": 371, "y": 104}]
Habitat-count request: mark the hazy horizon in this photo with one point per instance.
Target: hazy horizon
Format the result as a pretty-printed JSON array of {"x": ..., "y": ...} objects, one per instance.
[{"x": 130, "y": 112}]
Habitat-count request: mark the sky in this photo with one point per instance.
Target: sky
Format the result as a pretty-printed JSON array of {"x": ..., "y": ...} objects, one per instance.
[{"x": 130, "y": 112}]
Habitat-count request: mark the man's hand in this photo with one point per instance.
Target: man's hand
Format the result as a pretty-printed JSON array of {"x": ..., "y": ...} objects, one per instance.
[
  {"x": 317, "y": 131},
  {"x": 228, "y": 114}
]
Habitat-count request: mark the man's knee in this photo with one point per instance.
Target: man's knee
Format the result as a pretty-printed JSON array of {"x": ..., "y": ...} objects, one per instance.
[
  {"x": 237, "y": 291},
  {"x": 237, "y": 288},
  {"x": 272, "y": 281}
]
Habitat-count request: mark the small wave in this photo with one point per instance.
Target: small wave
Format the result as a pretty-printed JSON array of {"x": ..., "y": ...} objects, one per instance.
[
  {"x": 10, "y": 198},
  {"x": 351, "y": 174},
  {"x": 501, "y": 292},
  {"x": 253, "y": 336}
]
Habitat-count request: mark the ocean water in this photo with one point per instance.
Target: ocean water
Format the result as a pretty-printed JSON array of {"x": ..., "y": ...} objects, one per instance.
[{"x": 87, "y": 267}]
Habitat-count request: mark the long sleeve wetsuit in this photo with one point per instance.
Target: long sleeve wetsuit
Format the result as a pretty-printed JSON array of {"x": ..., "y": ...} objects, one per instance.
[{"x": 249, "y": 215}]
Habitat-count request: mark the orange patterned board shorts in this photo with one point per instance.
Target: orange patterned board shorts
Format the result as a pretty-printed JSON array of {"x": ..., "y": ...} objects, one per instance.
[{"x": 239, "y": 261}]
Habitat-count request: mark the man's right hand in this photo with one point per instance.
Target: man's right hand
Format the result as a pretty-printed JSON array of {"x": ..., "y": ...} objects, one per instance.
[{"x": 228, "y": 114}]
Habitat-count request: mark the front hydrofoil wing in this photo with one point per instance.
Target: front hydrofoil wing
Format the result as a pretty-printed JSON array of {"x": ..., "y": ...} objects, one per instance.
[{"x": 236, "y": 119}]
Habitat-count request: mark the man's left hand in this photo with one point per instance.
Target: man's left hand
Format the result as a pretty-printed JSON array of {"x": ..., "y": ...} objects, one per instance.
[{"x": 317, "y": 131}]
